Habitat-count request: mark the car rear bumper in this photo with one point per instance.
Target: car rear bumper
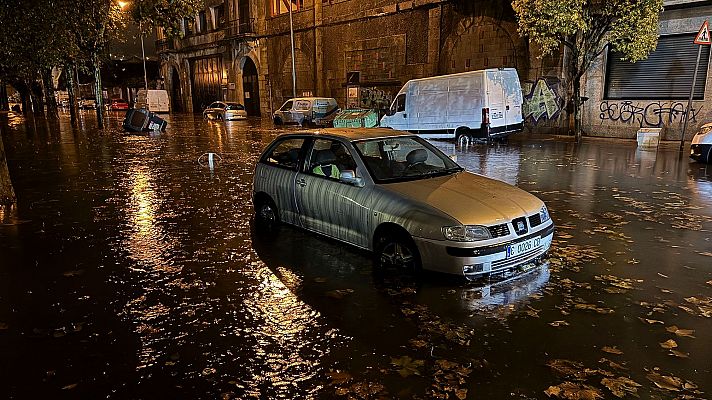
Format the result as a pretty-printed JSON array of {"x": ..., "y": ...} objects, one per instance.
[{"x": 471, "y": 262}]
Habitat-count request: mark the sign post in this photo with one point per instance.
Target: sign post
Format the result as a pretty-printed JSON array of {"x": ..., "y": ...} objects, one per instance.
[{"x": 702, "y": 39}]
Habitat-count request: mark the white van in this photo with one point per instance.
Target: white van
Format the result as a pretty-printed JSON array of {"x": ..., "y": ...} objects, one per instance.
[
  {"x": 477, "y": 104},
  {"x": 153, "y": 100},
  {"x": 307, "y": 110}
]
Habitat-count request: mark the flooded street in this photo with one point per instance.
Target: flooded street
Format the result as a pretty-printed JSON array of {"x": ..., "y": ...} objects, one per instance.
[{"x": 130, "y": 270}]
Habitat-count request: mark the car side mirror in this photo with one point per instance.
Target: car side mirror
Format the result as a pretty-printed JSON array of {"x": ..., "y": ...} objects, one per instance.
[{"x": 349, "y": 176}]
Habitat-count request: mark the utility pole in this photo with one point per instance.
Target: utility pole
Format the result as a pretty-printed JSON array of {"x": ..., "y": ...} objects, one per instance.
[{"x": 291, "y": 36}]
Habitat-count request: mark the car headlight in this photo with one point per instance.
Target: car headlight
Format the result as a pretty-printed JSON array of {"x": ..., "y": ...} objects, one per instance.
[
  {"x": 466, "y": 233},
  {"x": 544, "y": 214}
]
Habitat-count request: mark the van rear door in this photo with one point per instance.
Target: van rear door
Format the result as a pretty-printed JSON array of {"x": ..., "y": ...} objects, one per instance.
[
  {"x": 513, "y": 98},
  {"x": 496, "y": 100}
]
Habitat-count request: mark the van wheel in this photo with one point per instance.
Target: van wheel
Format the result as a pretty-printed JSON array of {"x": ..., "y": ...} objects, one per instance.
[
  {"x": 463, "y": 138},
  {"x": 397, "y": 251},
  {"x": 277, "y": 121}
]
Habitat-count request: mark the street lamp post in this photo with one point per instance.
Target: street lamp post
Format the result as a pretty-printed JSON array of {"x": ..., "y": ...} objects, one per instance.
[{"x": 143, "y": 57}]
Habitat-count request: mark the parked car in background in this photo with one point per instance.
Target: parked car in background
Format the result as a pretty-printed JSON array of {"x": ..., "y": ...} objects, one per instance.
[
  {"x": 225, "y": 111},
  {"x": 397, "y": 195},
  {"x": 701, "y": 148},
  {"x": 484, "y": 104},
  {"x": 118, "y": 104},
  {"x": 319, "y": 111},
  {"x": 153, "y": 100}
]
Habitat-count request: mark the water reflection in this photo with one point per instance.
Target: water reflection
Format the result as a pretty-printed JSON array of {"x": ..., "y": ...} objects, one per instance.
[{"x": 506, "y": 292}]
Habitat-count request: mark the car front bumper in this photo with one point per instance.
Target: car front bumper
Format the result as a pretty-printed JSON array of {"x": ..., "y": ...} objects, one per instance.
[{"x": 465, "y": 259}]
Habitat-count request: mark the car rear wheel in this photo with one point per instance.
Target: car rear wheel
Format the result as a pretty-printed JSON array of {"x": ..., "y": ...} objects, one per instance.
[
  {"x": 397, "y": 251},
  {"x": 266, "y": 215}
]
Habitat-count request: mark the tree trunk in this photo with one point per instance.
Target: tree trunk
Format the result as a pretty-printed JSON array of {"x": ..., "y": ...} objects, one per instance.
[
  {"x": 24, "y": 97},
  {"x": 48, "y": 86},
  {"x": 98, "y": 92},
  {"x": 7, "y": 194},
  {"x": 69, "y": 72},
  {"x": 4, "y": 102},
  {"x": 37, "y": 95}
]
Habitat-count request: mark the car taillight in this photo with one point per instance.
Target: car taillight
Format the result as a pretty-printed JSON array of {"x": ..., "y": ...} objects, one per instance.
[{"x": 485, "y": 116}]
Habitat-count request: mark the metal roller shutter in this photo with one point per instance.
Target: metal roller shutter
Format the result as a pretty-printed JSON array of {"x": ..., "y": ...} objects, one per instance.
[{"x": 665, "y": 75}]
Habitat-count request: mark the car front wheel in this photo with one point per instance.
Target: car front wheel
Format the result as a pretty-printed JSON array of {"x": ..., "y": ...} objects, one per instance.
[{"x": 397, "y": 251}]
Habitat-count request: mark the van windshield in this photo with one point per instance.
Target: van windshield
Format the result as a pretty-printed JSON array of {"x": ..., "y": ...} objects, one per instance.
[{"x": 404, "y": 158}]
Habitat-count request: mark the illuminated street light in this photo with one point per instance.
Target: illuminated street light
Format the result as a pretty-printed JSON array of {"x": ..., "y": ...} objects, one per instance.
[{"x": 122, "y": 5}]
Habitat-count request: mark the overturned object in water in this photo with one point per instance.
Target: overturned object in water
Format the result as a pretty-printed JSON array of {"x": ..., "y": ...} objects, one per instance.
[
  {"x": 701, "y": 148},
  {"x": 142, "y": 120}
]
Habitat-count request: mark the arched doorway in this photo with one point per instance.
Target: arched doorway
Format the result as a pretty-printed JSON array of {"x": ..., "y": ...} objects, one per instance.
[
  {"x": 176, "y": 98},
  {"x": 251, "y": 87}
]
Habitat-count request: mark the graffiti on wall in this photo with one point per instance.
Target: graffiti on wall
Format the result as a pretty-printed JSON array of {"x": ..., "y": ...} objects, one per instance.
[
  {"x": 655, "y": 114},
  {"x": 541, "y": 101}
]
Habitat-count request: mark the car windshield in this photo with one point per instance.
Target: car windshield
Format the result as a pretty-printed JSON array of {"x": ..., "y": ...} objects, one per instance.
[
  {"x": 404, "y": 158},
  {"x": 235, "y": 106}
]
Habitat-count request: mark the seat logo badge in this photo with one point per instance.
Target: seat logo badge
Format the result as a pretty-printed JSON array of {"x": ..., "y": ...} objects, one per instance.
[{"x": 520, "y": 226}]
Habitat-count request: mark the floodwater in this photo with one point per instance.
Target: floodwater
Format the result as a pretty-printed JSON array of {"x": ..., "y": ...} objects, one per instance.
[{"x": 130, "y": 270}]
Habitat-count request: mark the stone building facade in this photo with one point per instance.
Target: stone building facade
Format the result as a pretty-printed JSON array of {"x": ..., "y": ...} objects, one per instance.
[
  {"x": 246, "y": 56},
  {"x": 624, "y": 97}
]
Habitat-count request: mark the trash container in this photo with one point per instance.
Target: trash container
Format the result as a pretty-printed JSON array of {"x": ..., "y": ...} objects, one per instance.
[{"x": 356, "y": 118}]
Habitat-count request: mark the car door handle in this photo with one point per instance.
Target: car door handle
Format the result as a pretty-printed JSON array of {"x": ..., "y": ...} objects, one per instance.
[{"x": 301, "y": 182}]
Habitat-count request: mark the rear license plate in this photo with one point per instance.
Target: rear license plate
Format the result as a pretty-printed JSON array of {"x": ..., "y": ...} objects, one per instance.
[{"x": 516, "y": 249}]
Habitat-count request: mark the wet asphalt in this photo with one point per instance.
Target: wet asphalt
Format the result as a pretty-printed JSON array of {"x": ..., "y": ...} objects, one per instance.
[{"x": 130, "y": 270}]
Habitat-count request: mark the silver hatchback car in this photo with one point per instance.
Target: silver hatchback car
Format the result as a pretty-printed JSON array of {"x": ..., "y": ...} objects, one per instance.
[{"x": 397, "y": 195}]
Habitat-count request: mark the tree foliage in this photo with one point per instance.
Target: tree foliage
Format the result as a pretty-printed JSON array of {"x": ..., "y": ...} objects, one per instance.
[
  {"x": 165, "y": 14},
  {"x": 585, "y": 27}
]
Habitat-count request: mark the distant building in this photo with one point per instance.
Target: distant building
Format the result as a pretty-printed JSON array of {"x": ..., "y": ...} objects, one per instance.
[{"x": 239, "y": 50}]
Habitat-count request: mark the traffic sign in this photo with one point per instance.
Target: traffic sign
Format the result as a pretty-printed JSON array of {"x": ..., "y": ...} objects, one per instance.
[{"x": 703, "y": 36}]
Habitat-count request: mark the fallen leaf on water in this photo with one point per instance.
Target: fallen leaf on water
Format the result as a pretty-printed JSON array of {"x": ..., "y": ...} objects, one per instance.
[
  {"x": 339, "y": 294},
  {"x": 319, "y": 280},
  {"x": 339, "y": 377},
  {"x": 209, "y": 371},
  {"x": 666, "y": 382},
  {"x": 461, "y": 394},
  {"x": 611, "y": 350},
  {"x": 668, "y": 344},
  {"x": 706, "y": 253},
  {"x": 612, "y": 364},
  {"x": 678, "y": 354},
  {"x": 651, "y": 321},
  {"x": 681, "y": 332},
  {"x": 407, "y": 365},
  {"x": 621, "y": 386},
  {"x": 558, "y": 323},
  {"x": 417, "y": 343},
  {"x": 573, "y": 391},
  {"x": 70, "y": 387},
  {"x": 709, "y": 282}
]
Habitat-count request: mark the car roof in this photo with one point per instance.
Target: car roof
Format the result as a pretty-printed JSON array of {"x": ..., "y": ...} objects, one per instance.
[
  {"x": 232, "y": 102},
  {"x": 352, "y": 134}
]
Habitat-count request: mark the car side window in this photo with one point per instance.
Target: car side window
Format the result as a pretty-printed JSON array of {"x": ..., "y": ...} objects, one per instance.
[
  {"x": 329, "y": 158},
  {"x": 285, "y": 153}
]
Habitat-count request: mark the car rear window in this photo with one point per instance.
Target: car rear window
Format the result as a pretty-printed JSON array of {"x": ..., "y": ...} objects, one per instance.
[{"x": 235, "y": 107}]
